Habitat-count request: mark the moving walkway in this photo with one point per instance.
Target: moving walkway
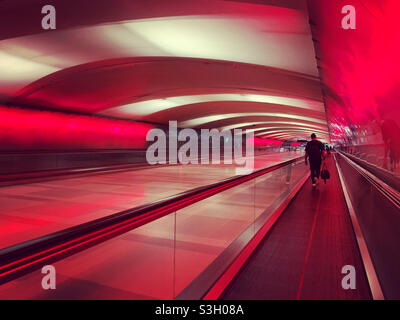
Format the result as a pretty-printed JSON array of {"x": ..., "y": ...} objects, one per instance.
[{"x": 265, "y": 235}]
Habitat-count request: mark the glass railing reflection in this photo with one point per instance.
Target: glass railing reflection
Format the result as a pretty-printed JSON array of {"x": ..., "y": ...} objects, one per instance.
[{"x": 161, "y": 259}]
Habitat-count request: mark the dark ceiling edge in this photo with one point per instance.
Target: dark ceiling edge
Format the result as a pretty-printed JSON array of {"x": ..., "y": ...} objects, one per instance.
[
  {"x": 75, "y": 13},
  {"x": 296, "y": 5}
]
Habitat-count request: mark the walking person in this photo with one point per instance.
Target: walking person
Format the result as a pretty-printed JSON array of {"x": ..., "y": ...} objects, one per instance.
[{"x": 314, "y": 153}]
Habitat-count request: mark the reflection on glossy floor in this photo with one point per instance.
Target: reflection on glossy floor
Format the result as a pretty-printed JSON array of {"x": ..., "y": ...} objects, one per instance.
[
  {"x": 158, "y": 260},
  {"x": 32, "y": 210}
]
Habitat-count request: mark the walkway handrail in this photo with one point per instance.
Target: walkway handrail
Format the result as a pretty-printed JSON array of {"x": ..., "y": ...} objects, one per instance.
[
  {"x": 390, "y": 193},
  {"x": 20, "y": 259}
]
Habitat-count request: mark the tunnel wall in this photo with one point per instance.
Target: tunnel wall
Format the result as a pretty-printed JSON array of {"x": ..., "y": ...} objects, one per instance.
[
  {"x": 40, "y": 140},
  {"x": 27, "y": 129},
  {"x": 360, "y": 70}
]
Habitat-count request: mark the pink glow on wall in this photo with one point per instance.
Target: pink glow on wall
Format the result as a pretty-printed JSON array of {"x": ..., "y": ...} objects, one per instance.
[
  {"x": 34, "y": 129},
  {"x": 259, "y": 143},
  {"x": 360, "y": 67}
]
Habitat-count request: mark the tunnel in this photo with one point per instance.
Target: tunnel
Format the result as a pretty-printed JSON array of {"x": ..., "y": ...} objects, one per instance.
[{"x": 199, "y": 150}]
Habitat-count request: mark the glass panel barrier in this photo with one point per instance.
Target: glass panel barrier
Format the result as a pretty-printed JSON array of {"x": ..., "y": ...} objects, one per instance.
[
  {"x": 205, "y": 229},
  {"x": 37, "y": 209},
  {"x": 162, "y": 259},
  {"x": 137, "y": 265},
  {"x": 226, "y": 223},
  {"x": 271, "y": 186}
]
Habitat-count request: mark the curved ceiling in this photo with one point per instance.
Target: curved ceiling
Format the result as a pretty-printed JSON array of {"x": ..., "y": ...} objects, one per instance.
[{"x": 224, "y": 64}]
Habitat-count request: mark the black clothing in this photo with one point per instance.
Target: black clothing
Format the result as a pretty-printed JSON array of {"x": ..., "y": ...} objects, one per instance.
[
  {"x": 314, "y": 150},
  {"x": 315, "y": 168}
]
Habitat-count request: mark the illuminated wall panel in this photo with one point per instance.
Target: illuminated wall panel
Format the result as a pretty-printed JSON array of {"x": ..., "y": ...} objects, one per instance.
[{"x": 34, "y": 129}]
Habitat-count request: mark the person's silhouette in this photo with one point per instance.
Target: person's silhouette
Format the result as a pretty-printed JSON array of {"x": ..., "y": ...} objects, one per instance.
[{"x": 314, "y": 150}]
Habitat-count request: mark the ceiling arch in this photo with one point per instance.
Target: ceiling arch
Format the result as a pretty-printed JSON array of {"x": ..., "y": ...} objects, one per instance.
[{"x": 224, "y": 64}]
